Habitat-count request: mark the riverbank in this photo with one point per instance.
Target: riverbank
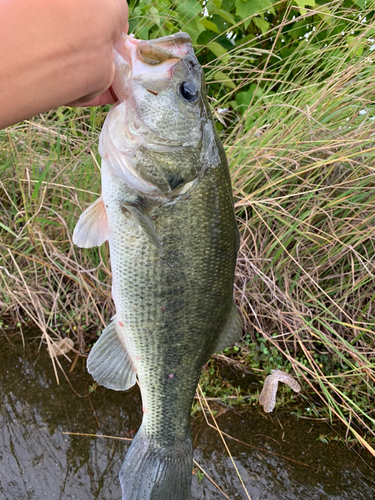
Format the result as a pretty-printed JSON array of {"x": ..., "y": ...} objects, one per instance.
[{"x": 302, "y": 161}]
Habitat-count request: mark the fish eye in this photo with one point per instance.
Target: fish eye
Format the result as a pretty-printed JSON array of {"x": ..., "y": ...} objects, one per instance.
[{"x": 189, "y": 91}]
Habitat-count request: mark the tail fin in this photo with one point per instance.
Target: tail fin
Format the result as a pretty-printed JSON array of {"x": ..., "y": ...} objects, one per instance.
[{"x": 151, "y": 472}]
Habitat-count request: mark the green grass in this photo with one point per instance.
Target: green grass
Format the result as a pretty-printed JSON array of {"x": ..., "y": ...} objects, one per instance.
[
  {"x": 303, "y": 167},
  {"x": 302, "y": 157}
]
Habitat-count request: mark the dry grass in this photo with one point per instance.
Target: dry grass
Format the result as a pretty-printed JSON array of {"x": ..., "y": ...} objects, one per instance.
[
  {"x": 65, "y": 291},
  {"x": 303, "y": 171}
]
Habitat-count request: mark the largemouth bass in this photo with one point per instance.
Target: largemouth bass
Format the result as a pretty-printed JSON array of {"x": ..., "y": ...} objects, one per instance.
[{"x": 167, "y": 211}]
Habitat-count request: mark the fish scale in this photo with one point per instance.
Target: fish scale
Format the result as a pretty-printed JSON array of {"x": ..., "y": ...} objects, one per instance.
[{"x": 196, "y": 262}]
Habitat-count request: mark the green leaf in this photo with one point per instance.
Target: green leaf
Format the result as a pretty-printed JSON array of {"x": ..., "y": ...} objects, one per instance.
[
  {"x": 261, "y": 23},
  {"x": 7, "y": 229},
  {"x": 354, "y": 43},
  {"x": 194, "y": 29},
  {"x": 155, "y": 16},
  {"x": 325, "y": 14},
  {"x": 169, "y": 26},
  {"x": 142, "y": 31},
  {"x": 188, "y": 9},
  {"x": 243, "y": 99},
  {"x": 217, "y": 49},
  {"x": 136, "y": 12},
  {"x": 303, "y": 3},
  {"x": 221, "y": 77},
  {"x": 223, "y": 13},
  {"x": 227, "y": 5},
  {"x": 246, "y": 8},
  {"x": 209, "y": 25}
]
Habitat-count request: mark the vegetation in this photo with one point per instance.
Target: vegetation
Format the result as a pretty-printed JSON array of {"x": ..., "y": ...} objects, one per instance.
[{"x": 292, "y": 87}]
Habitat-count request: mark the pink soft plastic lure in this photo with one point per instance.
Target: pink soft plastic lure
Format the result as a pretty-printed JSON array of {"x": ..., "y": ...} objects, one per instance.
[{"x": 267, "y": 397}]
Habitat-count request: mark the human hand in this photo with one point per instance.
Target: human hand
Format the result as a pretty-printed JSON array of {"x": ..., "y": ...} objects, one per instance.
[
  {"x": 57, "y": 53},
  {"x": 108, "y": 96}
]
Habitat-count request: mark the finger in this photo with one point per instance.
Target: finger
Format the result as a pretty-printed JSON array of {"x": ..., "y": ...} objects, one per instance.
[{"x": 108, "y": 97}]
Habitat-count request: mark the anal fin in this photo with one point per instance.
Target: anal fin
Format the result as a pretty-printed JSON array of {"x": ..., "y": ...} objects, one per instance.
[
  {"x": 232, "y": 330},
  {"x": 92, "y": 226},
  {"x": 109, "y": 363}
]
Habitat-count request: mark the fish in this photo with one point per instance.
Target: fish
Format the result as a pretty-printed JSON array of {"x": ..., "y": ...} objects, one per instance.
[{"x": 167, "y": 211}]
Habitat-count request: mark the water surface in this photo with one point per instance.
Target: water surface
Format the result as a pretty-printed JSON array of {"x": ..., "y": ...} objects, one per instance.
[{"x": 38, "y": 461}]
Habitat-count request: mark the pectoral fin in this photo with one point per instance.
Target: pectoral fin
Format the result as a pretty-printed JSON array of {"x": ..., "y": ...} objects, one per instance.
[
  {"x": 109, "y": 363},
  {"x": 145, "y": 222},
  {"x": 231, "y": 332},
  {"x": 92, "y": 226}
]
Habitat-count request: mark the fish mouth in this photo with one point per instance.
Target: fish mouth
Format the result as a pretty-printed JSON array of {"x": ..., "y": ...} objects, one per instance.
[
  {"x": 152, "y": 60},
  {"x": 153, "y": 52},
  {"x": 170, "y": 47}
]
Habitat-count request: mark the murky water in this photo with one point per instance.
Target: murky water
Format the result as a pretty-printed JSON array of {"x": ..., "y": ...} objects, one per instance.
[{"x": 37, "y": 460}]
